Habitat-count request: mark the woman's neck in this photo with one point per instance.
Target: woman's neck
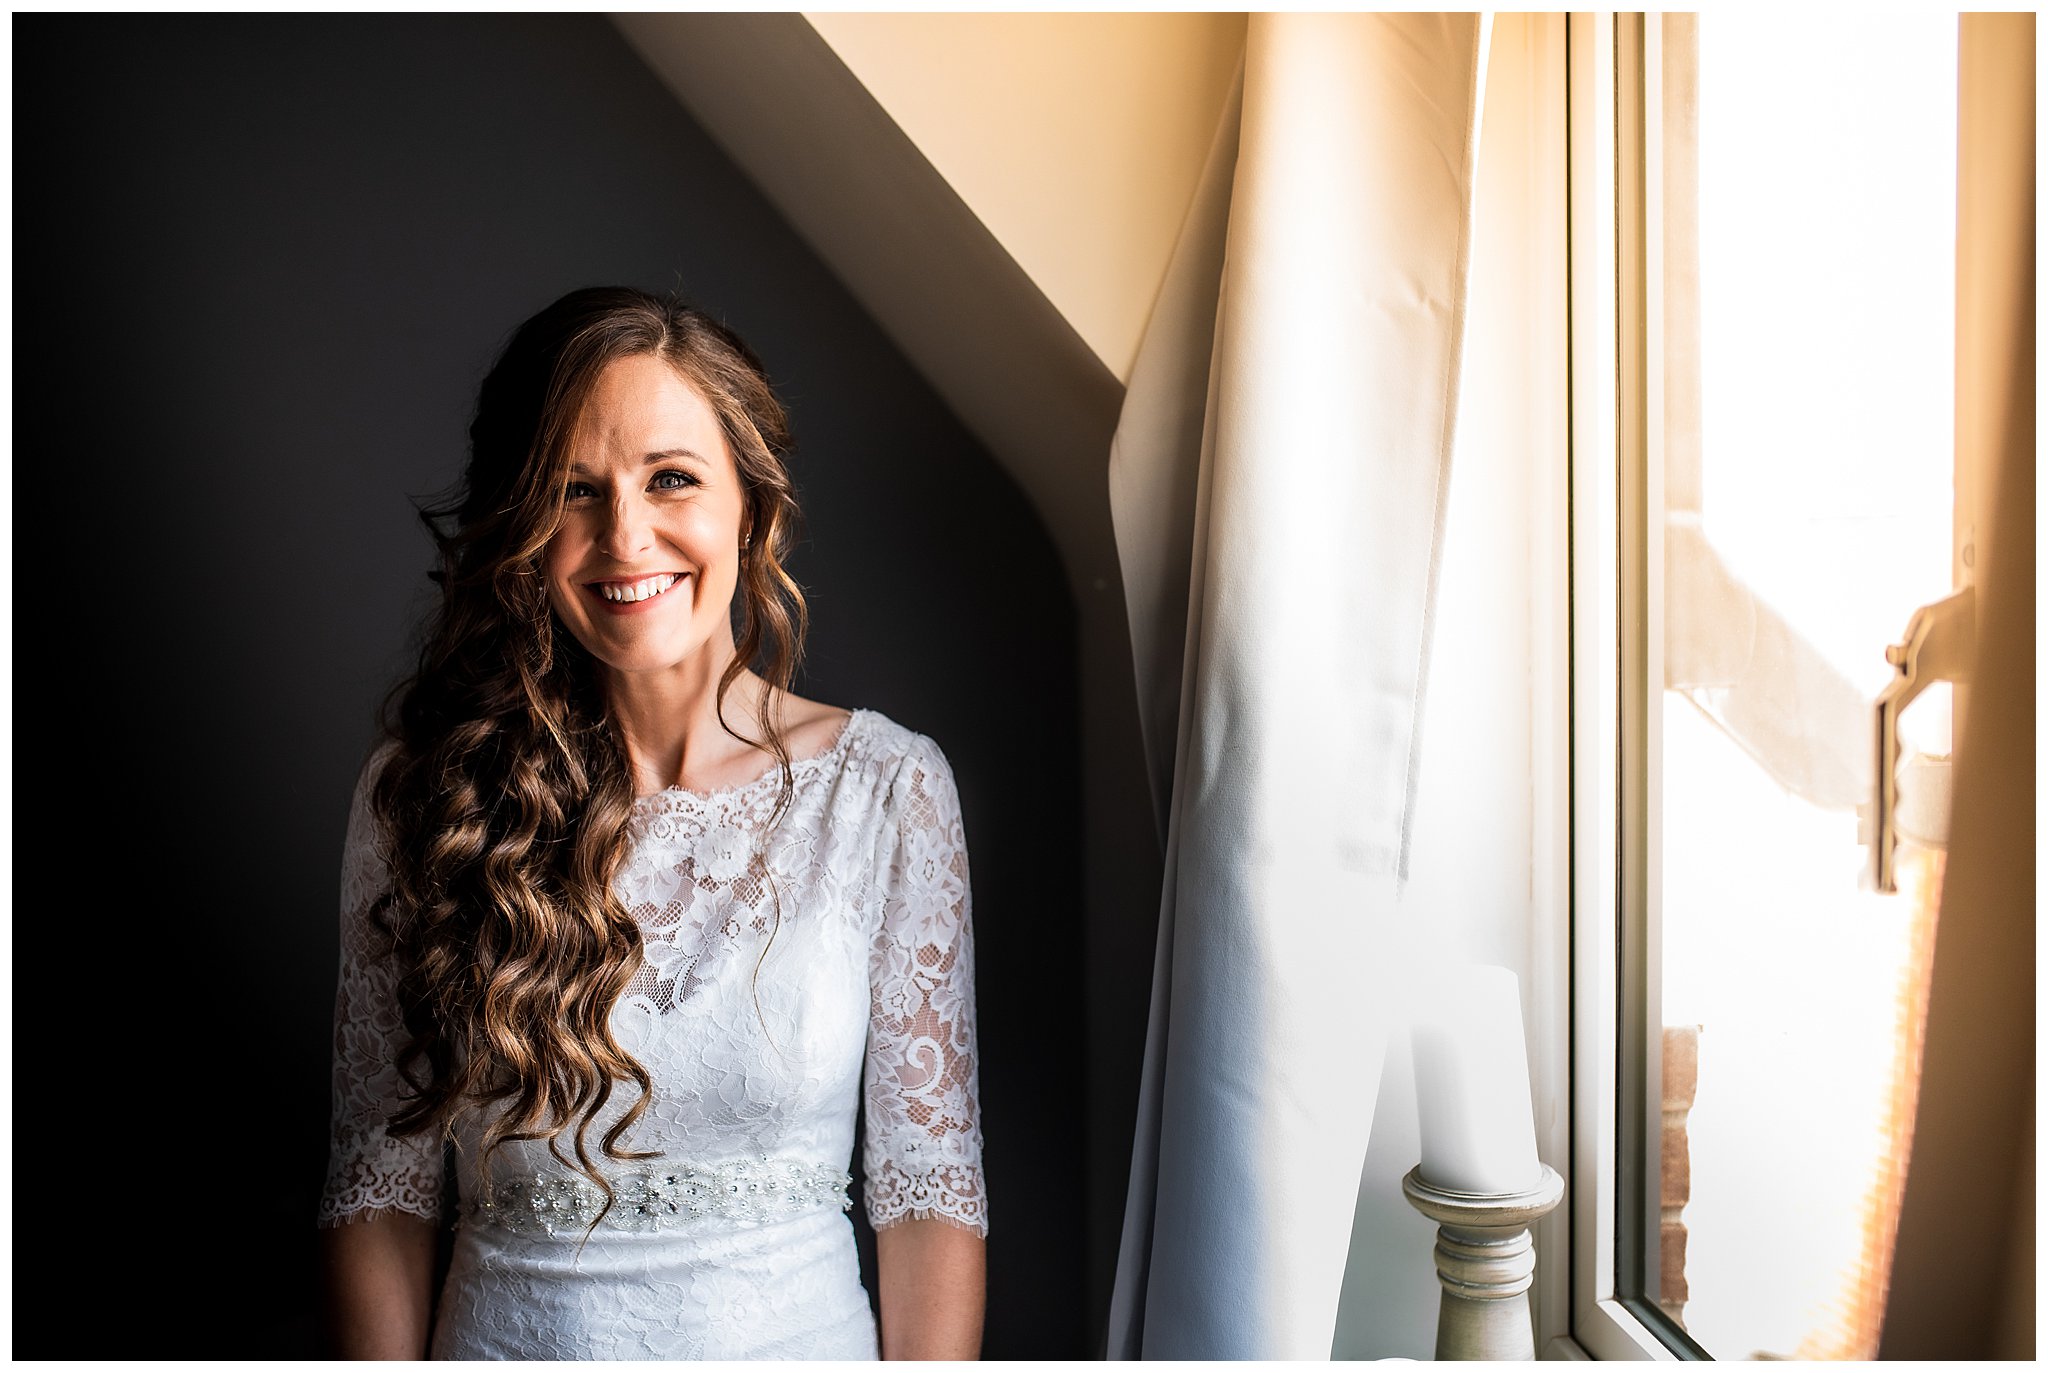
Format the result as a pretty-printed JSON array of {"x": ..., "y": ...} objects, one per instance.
[{"x": 669, "y": 722}]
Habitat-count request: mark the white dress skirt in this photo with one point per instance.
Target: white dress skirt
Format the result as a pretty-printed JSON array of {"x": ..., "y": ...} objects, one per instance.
[{"x": 793, "y": 974}]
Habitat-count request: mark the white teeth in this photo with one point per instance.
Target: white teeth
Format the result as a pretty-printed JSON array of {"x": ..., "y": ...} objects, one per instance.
[{"x": 638, "y": 591}]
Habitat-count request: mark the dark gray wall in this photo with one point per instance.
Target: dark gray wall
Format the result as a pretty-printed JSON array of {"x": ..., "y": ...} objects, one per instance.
[{"x": 260, "y": 265}]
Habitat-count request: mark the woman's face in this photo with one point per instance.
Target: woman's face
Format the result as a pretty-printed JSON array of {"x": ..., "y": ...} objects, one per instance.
[{"x": 643, "y": 568}]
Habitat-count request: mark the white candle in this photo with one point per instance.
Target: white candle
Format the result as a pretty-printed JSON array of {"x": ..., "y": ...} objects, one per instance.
[{"x": 1472, "y": 1084}]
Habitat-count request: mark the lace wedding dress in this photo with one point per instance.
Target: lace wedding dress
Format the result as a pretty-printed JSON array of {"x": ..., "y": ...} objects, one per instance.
[{"x": 791, "y": 972}]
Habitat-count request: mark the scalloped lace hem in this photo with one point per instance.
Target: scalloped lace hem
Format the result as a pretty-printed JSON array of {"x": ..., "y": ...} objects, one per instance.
[
  {"x": 334, "y": 1217},
  {"x": 972, "y": 1227},
  {"x": 951, "y": 1192}
]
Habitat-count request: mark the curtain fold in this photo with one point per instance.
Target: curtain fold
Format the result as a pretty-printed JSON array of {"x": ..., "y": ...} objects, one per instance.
[{"x": 1277, "y": 485}]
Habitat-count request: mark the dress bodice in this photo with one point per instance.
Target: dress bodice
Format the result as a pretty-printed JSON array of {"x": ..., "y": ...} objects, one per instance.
[{"x": 793, "y": 972}]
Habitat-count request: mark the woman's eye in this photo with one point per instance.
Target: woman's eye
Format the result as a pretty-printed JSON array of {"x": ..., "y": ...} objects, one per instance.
[
  {"x": 673, "y": 481},
  {"x": 580, "y": 491}
]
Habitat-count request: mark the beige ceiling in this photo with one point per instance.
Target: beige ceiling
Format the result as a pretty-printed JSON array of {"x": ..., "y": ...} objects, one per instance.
[{"x": 1076, "y": 138}]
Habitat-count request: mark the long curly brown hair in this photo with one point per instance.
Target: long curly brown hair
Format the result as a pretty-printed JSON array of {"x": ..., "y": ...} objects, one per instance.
[{"x": 507, "y": 795}]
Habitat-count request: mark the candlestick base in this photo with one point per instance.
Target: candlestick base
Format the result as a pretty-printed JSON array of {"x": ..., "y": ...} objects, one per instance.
[{"x": 1486, "y": 1263}]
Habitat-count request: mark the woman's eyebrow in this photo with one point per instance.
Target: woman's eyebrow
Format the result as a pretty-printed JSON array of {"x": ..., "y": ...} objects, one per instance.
[{"x": 578, "y": 469}]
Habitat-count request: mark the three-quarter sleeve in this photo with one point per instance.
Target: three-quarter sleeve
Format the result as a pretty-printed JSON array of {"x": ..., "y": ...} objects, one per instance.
[
  {"x": 368, "y": 1171},
  {"x": 922, "y": 1154}
]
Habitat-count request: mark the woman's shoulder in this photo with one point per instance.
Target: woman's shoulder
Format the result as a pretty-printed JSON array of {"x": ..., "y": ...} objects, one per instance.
[
  {"x": 864, "y": 742},
  {"x": 878, "y": 736},
  {"x": 369, "y": 774},
  {"x": 811, "y": 728},
  {"x": 896, "y": 756}
]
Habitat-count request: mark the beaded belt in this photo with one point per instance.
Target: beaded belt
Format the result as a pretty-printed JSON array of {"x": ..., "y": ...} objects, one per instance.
[{"x": 745, "y": 1190}]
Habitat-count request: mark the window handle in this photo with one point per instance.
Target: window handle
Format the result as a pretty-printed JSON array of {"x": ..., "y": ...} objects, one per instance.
[{"x": 1939, "y": 645}]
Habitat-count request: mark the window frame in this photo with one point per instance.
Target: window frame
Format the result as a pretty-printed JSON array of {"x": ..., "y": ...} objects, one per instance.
[
  {"x": 1602, "y": 695},
  {"x": 1613, "y": 95}
]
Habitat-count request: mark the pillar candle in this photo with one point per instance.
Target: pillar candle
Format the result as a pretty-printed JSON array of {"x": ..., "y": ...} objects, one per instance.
[{"x": 1472, "y": 1084}]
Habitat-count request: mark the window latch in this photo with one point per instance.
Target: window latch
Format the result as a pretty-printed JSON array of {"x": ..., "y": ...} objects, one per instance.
[{"x": 1939, "y": 646}]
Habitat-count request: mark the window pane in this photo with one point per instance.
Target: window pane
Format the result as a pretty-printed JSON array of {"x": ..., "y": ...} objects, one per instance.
[{"x": 1808, "y": 213}]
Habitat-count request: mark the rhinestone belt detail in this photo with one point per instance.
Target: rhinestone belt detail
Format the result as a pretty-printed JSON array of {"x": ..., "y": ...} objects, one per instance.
[{"x": 745, "y": 1190}]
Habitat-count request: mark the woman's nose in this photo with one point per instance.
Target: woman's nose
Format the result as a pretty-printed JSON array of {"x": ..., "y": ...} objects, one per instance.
[{"x": 628, "y": 530}]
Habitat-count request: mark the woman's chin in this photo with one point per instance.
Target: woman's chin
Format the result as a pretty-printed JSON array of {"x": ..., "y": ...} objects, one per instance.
[{"x": 650, "y": 661}]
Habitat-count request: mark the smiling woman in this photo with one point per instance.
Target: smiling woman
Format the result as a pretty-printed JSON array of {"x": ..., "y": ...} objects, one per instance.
[
  {"x": 633, "y": 927},
  {"x": 655, "y": 537}
]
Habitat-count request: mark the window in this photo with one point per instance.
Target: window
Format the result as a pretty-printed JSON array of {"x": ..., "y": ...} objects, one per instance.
[{"x": 1763, "y": 223}]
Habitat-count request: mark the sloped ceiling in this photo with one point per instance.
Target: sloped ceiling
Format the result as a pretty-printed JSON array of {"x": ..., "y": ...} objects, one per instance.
[{"x": 1076, "y": 138}]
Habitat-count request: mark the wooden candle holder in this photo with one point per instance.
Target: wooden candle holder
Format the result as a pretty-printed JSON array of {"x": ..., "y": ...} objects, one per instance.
[{"x": 1486, "y": 1263}]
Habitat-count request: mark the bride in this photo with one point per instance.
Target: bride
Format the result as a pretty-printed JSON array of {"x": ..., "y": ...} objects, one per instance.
[{"x": 629, "y": 929}]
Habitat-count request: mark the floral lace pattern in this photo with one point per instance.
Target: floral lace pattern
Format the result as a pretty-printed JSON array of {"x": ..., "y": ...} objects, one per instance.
[
  {"x": 367, "y": 1170},
  {"x": 794, "y": 973},
  {"x": 923, "y": 1154}
]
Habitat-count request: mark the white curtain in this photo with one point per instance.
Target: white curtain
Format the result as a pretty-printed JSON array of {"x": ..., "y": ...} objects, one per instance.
[{"x": 1277, "y": 484}]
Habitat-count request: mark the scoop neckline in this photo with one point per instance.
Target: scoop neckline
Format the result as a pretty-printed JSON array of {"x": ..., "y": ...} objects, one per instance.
[{"x": 682, "y": 793}]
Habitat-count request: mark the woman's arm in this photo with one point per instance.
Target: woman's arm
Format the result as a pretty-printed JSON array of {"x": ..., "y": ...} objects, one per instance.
[
  {"x": 379, "y": 1212},
  {"x": 932, "y": 1280},
  {"x": 379, "y": 1276},
  {"x": 925, "y": 1194}
]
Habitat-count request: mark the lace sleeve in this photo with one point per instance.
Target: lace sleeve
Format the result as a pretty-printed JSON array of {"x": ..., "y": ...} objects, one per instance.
[
  {"x": 923, "y": 1151},
  {"x": 367, "y": 1170}
]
